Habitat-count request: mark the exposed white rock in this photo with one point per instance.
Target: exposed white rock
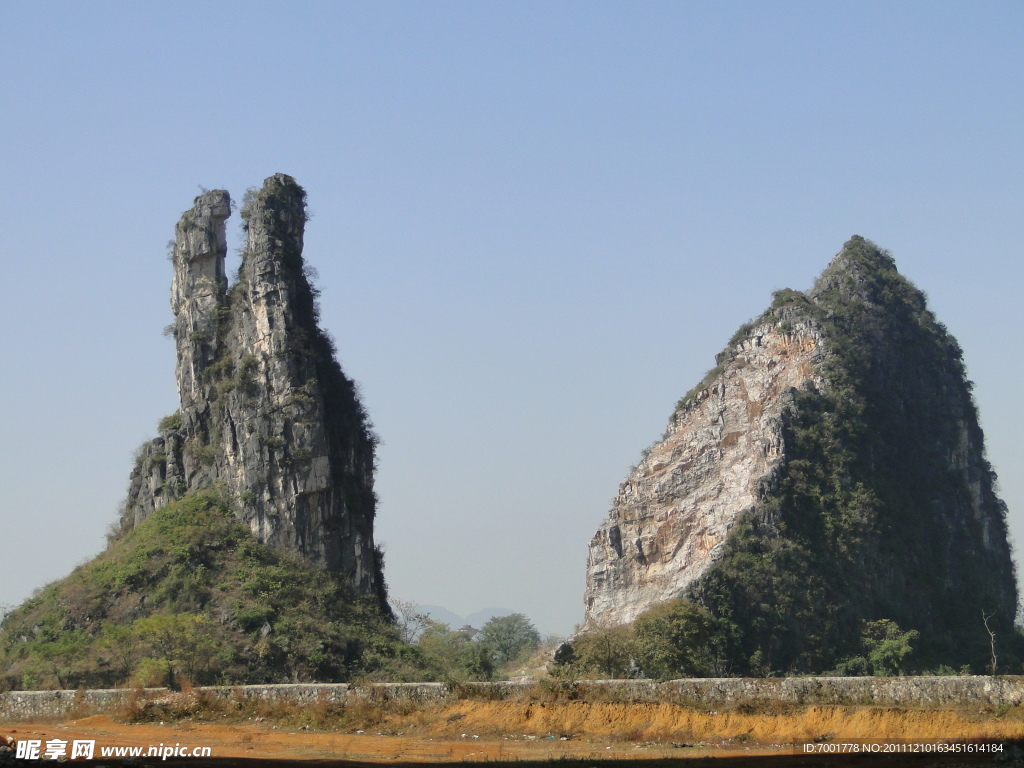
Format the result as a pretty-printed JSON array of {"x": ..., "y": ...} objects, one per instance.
[{"x": 672, "y": 514}]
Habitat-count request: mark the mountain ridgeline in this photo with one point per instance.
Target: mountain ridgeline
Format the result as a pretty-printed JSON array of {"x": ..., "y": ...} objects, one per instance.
[
  {"x": 823, "y": 490},
  {"x": 829, "y": 471}
]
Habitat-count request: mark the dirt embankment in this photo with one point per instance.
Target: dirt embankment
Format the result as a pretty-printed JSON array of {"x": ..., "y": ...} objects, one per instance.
[{"x": 468, "y": 730}]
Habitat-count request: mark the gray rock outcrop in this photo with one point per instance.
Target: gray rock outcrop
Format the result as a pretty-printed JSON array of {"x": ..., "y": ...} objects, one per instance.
[{"x": 266, "y": 411}]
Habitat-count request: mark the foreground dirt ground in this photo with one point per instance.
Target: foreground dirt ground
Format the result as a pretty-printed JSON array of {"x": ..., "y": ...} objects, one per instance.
[{"x": 570, "y": 732}]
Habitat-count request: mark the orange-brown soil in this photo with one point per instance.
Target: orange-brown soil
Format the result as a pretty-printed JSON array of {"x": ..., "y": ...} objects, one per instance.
[{"x": 484, "y": 731}]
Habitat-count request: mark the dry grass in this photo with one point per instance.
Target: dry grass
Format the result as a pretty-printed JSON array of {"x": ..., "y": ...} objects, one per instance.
[
  {"x": 661, "y": 722},
  {"x": 570, "y": 712}
]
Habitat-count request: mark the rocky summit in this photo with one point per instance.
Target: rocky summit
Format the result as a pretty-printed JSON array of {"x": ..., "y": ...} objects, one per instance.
[
  {"x": 266, "y": 412},
  {"x": 830, "y": 470}
]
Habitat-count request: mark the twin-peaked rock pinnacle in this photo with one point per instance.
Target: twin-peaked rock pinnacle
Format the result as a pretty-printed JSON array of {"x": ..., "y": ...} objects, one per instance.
[
  {"x": 266, "y": 411},
  {"x": 829, "y": 471}
]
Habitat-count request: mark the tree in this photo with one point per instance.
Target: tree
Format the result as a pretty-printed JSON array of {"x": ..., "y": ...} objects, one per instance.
[
  {"x": 607, "y": 651},
  {"x": 124, "y": 644},
  {"x": 478, "y": 660},
  {"x": 680, "y": 639},
  {"x": 886, "y": 648},
  {"x": 61, "y": 656},
  {"x": 181, "y": 641},
  {"x": 509, "y": 637},
  {"x": 442, "y": 649},
  {"x": 452, "y": 656},
  {"x": 992, "y": 640},
  {"x": 410, "y": 619}
]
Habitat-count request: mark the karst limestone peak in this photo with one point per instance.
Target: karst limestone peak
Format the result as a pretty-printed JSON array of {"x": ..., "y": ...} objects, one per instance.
[{"x": 266, "y": 412}]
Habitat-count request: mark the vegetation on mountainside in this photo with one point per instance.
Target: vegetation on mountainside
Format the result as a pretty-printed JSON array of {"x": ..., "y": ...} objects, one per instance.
[
  {"x": 883, "y": 517},
  {"x": 681, "y": 638},
  {"x": 865, "y": 521},
  {"x": 459, "y": 655},
  {"x": 190, "y": 593}
]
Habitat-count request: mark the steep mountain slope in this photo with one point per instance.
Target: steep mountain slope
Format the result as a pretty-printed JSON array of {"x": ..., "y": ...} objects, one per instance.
[
  {"x": 191, "y": 584},
  {"x": 829, "y": 470}
]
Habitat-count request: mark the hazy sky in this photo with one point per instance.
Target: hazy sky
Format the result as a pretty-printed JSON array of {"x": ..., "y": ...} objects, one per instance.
[{"x": 534, "y": 223}]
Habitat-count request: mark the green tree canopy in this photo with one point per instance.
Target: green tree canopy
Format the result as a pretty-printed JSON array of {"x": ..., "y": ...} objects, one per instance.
[
  {"x": 681, "y": 639},
  {"x": 509, "y": 637},
  {"x": 451, "y": 655},
  {"x": 182, "y": 641},
  {"x": 604, "y": 651},
  {"x": 886, "y": 648}
]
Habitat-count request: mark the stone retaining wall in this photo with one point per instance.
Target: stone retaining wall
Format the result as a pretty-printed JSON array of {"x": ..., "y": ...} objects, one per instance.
[{"x": 702, "y": 692}]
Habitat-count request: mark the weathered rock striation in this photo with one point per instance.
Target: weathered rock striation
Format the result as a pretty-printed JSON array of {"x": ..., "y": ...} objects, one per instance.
[
  {"x": 829, "y": 470},
  {"x": 672, "y": 515},
  {"x": 266, "y": 411}
]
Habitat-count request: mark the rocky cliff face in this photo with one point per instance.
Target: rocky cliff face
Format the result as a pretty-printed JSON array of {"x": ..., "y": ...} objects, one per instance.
[
  {"x": 672, "y": 515},
  {"x": 266, "y": 411},
  {"x": 829, "y": 470}
]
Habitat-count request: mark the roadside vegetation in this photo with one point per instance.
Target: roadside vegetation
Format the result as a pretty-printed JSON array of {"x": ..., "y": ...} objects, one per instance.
[
  {"x": 504, "y": 647},
  {"x": 558, "y": 711},
  {"x": 680, "y": 638}
]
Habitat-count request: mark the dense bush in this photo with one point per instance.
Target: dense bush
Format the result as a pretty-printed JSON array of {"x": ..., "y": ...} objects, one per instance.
[{"x": 885, "y": 647}]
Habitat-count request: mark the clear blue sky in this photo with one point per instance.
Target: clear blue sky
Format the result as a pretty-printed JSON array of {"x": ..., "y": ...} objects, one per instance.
[{"x": 535, "y": 224}]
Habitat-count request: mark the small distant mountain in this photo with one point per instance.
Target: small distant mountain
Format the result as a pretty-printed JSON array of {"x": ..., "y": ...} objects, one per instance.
[
  {"x": 481, "y": 617},
  {"x": 439, "y": 613},
  {"x": 453, "y": 620}
]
